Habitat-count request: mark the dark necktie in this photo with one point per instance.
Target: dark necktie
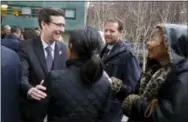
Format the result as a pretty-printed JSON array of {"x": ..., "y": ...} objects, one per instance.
[
  {"x": 49, "y": 59},
  {"x": 106, "y": 52}
]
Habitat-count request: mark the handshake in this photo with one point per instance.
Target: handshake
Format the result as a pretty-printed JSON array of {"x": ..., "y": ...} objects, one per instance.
[{"x": 38, "y": 92}]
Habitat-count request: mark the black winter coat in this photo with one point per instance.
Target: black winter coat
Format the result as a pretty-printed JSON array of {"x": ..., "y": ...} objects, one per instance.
[{"x": 71, "y": 100}]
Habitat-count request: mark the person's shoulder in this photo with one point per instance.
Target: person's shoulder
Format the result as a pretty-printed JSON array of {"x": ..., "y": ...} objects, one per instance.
[
  {"x": 128, "y": 49},
  {"x": 7, "y": 40},
  {"x": 7, "y": 51},
  {"x": 30, "y": 41},
  {"x": 61, "y": 44},
  {"x": 182, "y": 66},
  {"x": 59, "y": 74},
  {"x": 9, "y": 55}
]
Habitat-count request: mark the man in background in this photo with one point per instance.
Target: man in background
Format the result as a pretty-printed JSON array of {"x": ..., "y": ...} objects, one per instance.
[
  {"x": 6, "y": 31},
  {"x": 120, "y": 62}
]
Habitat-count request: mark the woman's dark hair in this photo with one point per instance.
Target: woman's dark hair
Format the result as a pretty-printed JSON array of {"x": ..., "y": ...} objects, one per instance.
[{"x": 86, "y": 43}]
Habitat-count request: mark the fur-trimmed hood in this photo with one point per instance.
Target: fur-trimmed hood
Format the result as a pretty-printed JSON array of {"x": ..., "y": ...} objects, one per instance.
[{"x": 177, "y": 37}]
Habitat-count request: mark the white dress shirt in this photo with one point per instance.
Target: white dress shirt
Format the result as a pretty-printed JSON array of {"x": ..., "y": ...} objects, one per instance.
[
  {"x": 44, "y": 44},
  {"x": 110, "y": 48}
]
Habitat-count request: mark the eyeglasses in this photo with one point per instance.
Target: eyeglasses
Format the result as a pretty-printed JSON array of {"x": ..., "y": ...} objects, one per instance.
[{"x": 58, "y": 24}]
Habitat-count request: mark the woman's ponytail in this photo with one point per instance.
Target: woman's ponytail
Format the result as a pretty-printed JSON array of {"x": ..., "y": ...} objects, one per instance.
[{"x": 92, "y": 70}]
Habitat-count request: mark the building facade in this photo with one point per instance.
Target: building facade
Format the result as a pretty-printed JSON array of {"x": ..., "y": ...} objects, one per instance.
[{"x": 24, "y": 14}]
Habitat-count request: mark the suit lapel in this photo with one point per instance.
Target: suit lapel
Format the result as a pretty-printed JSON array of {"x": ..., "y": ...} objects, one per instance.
[
  {"x": 102, "y": 51},
  {"x": 113, "y": 52},
  {"x": 57, "y": 55},
  {"x": 40, "y": 53}
]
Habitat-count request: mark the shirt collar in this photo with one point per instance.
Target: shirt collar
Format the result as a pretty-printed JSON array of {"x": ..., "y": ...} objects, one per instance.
[
  {"x": 46, "y": 45},
  {"x": 110, "y": 47}
]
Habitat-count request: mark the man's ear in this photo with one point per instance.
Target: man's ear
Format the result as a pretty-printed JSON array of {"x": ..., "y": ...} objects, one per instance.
[
  {"x": 43, "y": 24},
  {"x": 120, "y": 36}
]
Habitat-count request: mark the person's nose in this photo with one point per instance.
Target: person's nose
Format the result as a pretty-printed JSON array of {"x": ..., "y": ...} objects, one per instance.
[
  {"x": 62, "y": 29},
  {"x": 107, "y": 33}
]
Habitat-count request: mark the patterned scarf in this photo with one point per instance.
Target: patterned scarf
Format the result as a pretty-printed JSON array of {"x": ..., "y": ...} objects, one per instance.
[{"x": 149, "y": 86}]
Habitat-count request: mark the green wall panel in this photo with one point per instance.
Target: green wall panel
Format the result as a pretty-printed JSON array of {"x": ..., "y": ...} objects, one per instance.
[
  {"x": 25, "y": 22},
  {"x": 71, "y": 24}
]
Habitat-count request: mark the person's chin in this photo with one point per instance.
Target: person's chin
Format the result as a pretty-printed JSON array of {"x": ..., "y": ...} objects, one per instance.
[
  {"x": 152, "y": 57},
  {"x": 109, "y": 42},
  {"x": 57, "y": 38}
]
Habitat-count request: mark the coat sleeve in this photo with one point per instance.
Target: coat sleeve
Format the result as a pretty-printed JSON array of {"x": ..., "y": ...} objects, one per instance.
[
  {"x": 130, "y": 71},
  {"x": 25, "y": 85},
  {"x": 172, "y": 104}
]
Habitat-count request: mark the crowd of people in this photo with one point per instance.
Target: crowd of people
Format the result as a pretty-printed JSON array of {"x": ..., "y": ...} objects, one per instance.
[{"x": 96, "y": 77}]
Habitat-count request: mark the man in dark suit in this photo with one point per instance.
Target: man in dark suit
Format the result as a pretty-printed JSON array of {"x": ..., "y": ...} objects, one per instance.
[
  {"x": 39, "y": 56},
  {"x": 10, "y": 84},
  {"x": 119, "y": 61}
]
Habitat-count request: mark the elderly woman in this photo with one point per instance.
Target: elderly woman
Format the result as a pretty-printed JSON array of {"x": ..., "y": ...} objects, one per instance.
[{"x": 162, "y": 94}]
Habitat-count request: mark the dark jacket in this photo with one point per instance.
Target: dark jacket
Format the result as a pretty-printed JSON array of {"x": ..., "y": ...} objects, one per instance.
[
  {"x": 12, "y": 36},
  {"x": 12, "y": 44},
  {"x": 172, "y": 96},
  {"x": 10, "y": 84},
  {"x": 34, "y": 70},
  {"x": 71, "y": 100},
  {"x": 121, "y": 63}
]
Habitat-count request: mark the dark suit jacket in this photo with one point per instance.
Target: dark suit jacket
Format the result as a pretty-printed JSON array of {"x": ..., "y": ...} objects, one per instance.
[
  {"x": 34, "y": 69},
  {"x": 10, "y": 84}
]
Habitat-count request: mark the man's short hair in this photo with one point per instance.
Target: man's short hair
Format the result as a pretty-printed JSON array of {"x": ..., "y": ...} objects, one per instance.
[
  {"x": 120, "y": 23},
  {"x": 45, "y": 13}
]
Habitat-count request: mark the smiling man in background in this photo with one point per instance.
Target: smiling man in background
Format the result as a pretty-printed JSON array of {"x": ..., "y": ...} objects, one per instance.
[{"x": 119, "y": 62}]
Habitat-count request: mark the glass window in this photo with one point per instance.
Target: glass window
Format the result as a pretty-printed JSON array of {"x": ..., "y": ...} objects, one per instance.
[
  {"x": 26, "y": 11},
  {"x": 4, "y": 8},
  {"x": 70, "y": 13},
  {"x": 35, "y": 12},
  {"x": 16, "y": 11}
]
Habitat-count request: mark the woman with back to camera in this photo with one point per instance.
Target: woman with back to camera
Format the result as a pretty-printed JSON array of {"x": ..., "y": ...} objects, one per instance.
[{"x": 81, "y": 92}]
